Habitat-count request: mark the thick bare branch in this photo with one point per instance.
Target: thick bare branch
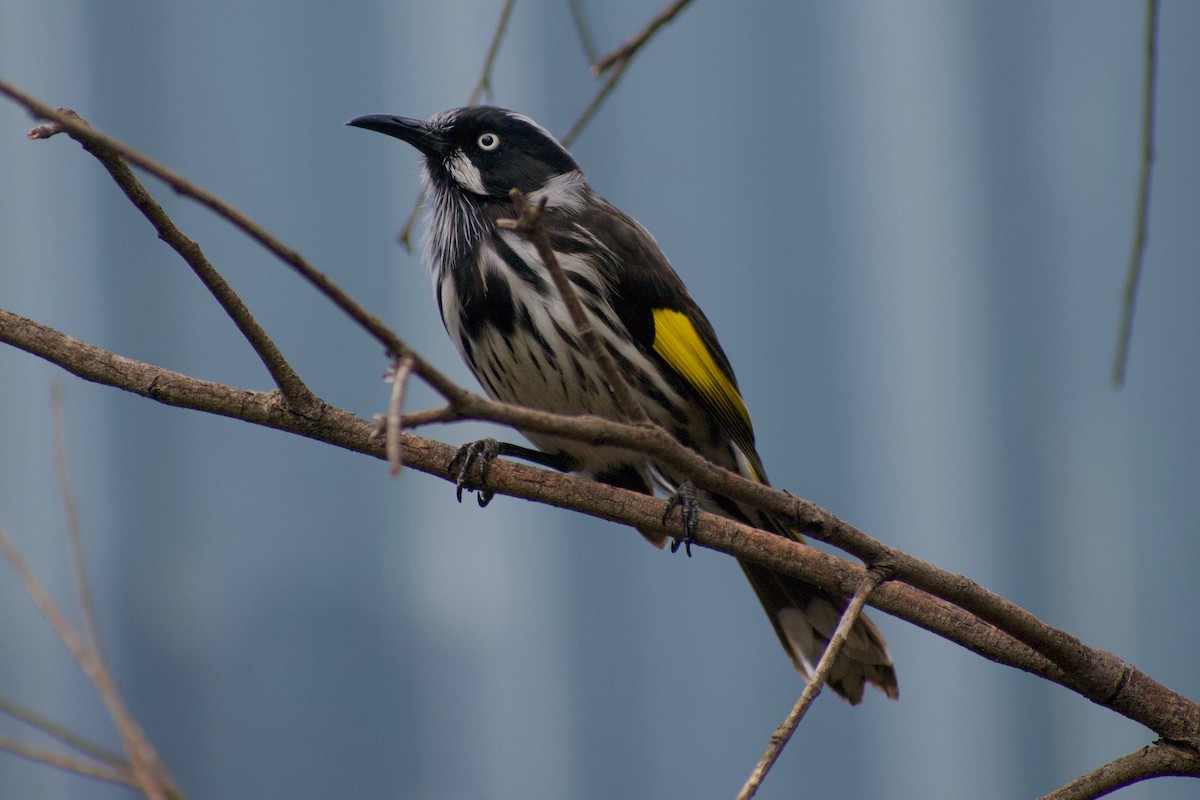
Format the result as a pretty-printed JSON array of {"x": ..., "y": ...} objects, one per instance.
[
  {"x": 1136, "y": 696},
  {"x": 340, "y": 428},
  {"x": 1158, "y": 760}
]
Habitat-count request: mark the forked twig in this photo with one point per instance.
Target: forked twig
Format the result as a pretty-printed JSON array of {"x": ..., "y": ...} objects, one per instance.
[
  {"x": 593, "y": 106},
  {"x": 67, "y": 763},
  {"x": 615, "y": 64},
  {"x": 816, "y": 682},
  {"x": 634, "y": 43},
  {"x": 62, "y": 734},
  {"x": 113, "y": 160},
  {"x": 148, "y": 771}
]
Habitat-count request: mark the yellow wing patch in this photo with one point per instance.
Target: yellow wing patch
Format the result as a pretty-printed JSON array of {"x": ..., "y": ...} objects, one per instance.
[{"x": 678, "y": 342}]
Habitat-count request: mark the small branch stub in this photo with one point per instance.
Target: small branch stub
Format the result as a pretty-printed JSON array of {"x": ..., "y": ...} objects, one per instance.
[
  {"x": 400, "y": 373},
  {"x": 52, "y": 128}
]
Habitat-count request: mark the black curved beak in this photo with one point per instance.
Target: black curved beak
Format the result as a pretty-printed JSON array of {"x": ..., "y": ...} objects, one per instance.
[{"x": 414, "y": 131}]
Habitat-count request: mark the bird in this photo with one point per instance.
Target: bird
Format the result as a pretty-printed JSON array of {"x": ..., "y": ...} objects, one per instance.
[{"x": 513, "y": 329}]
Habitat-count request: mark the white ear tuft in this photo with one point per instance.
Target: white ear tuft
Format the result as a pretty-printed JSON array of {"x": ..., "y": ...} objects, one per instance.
[{"x": 466, "y": 173}]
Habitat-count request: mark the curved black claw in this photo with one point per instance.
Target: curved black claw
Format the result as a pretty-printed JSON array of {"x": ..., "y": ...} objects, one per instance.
[
  {"x": 687, "y": 499},
  {"x": 485, "y": 451}
]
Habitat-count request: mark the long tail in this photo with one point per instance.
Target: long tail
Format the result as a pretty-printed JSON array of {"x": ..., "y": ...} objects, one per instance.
[{"x": 804, "y": 617}]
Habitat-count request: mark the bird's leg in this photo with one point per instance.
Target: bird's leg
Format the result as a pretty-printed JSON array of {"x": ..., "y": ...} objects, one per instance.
[
  {"x": 687, "y": 498},
  {"x": 485, "y": 451}
]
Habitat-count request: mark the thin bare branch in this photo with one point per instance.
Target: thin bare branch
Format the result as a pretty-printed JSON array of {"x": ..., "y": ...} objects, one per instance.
[
  {"x": 584, "y": 30},
  {"x": 484, "y": 84},
  {"x": 1142, "y": 214},
  {"x": 83, "y": 133},
  {"x": 592, "y": 107},
  {"x": 65, "y": 762},
  {"x": 395, "y": 422},
  {"x": 404, "y": 237},
  {"x": 45, "y": 604},
  {"x": 816, "y": 681},
  {"x": 629, "y": 49},
  {"x": 431, "y": 416},
  {"x": 1158, "y": 760},
  {"x": 61, "y": 733},
  {"x": 529, "y": 225},
  {"x": 87, "y": 603}
]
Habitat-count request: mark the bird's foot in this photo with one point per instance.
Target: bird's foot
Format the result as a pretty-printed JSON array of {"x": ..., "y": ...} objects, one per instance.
[
  {"x": 483, "y": 451},
  {"x": 687, "y": 499}
]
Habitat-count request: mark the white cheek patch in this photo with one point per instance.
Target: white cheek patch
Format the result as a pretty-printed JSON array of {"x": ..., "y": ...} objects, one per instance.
[
  {"x": 466, "y": 173},
  {"x": 564, "y": 191}
]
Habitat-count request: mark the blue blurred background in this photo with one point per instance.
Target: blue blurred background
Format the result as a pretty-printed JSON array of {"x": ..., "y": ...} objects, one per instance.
[{"x": 909, "y": 222}]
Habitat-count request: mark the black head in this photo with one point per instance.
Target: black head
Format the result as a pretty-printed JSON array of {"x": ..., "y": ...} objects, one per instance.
[{"x": 481, "y": 150}]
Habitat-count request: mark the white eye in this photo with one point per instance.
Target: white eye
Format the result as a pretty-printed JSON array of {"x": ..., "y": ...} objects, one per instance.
[{"x": 488, "y": 141}]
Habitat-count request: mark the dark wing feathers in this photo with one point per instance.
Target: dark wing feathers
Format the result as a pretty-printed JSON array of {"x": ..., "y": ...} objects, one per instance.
[{"x": 643, "y": 283}]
